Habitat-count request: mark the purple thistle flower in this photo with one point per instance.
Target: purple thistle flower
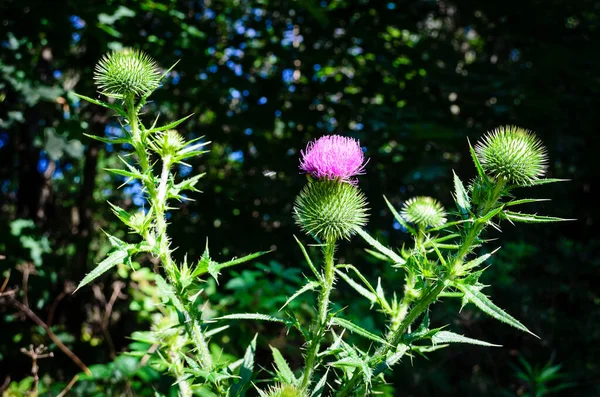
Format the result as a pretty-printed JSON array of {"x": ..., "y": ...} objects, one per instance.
[{"x": 333, "y": 157}]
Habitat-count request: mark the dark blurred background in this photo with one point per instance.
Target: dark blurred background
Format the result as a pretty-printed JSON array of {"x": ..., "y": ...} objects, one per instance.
[{"x": 411, "y": 79}]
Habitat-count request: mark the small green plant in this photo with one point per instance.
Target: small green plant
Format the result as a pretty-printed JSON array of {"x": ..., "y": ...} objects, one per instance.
[
  {"x": 128, "y": 78},
  {"x": 539, "y": 381}
]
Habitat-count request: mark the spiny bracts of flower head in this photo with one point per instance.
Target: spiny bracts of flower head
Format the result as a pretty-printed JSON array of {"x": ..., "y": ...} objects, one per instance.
[
  {"x": 330, "y": 210},
  {"x": 168, "y": 143},
  {"x": 126, "y": 72},
  {"x": 424, "y": 211},
  {"x": 282, "y": 391},
  {"x": 333, "y": 157},
  {"x": 514, "y": 154}
]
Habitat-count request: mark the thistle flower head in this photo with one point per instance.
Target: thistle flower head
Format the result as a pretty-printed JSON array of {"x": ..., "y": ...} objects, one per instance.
[
  {"x": 282, "y": 391},
  {"x": 126, "y": 72},
  {"x": 514, "y": 154},
  {"x": 424, "y": 211},
  {"x": 333, "y": 157},
  {"x": 330, "y": 210},
  {"x": 168, "y": 143}
]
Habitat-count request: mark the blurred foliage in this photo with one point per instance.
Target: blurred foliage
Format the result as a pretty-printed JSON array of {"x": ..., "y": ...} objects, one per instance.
[{"x": 410, "y": 79}]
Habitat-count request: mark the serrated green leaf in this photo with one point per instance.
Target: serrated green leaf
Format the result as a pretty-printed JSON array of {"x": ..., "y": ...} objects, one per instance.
[
  {"x": 547, "y": 180},
  {"x": 128, "y": 174},
  {"x": 478, "y": 166},
  {"x": 239, "y": 388},
  {"x": 308, "y": 260},
  {"x": 283, "y": 369},
  {"x": 357, "y": 330},
  {"x": 123, "y": 215},
  {"x": 531, "y": 218},
  {"x": 524, "y": 201},
  {"x": 103, "y": 104},
  {"x": 380, "y": 247},
  {"x": 478, "y": 261},
  {"x": 488, "y": 217},
  {"x": 252, "y": 316},
  {"x": 111, "y": 141},
  {"x": 215, "y": 331},
  {"x": 308, "y": 287},
  {"x": 450, "y": 337},
  {"x": 114, "y": 258},
  {"x": 461, "y": 196},
  {"x": 320, "y": 386},
  {"x": 378, "y": 255},
  {"x": 372, "y": 297},
  {"x": 474, "y": 295},
  {"x": 169, "y": 126},
  {"x": 399, "y": 217}
]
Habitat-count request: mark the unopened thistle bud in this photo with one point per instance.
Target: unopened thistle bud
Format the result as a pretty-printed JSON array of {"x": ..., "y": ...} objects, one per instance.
[
  {"x": 331, "y": 207},
  {"x": 125, "y": 73},
  {"x": 330, "y": 210},
  {"x": 514, "y": 154},
  {"x": 283, "y": 391},
  {"x": 168, "y": 143},
  {"x": 424, "y": 211}
]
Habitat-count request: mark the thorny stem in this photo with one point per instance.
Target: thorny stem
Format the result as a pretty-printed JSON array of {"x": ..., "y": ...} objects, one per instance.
[
  {"x": 432, "y": 292},
  {"x": 321, "y": 322},
  {"x": 160, "y": 240}
]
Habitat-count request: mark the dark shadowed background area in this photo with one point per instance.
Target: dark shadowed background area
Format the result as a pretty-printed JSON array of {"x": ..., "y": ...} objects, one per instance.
[{"x": 411, "y": 79}]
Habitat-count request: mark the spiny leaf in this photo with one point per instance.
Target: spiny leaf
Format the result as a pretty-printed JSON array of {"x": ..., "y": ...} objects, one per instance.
[
  {"x": 308, "y": 287},
  {"x": 358, "y": 330},
  {"x": 461, "y": 197},
  {"x": 103, "y": 104},
  {"x": 488, "y": 217},
  {"x": 128, "y": 174},
  {"x": 233, "y": 262},
  {"x": 111, "y": 141},
  {"x": 478, "y": 166},
  {"x": 380, "y": 247},
  {"x": 283, "y": 369},
  {"x": 169, "y": 126},
  {"x": 399, "y": 217},
  {"x": 474, "y": 295},
  {"x": 357, "y": 287},
  {"x": 215, "y": 331},
  {"x": 123, "y": 215},
  {"x": 252, "y": 316},
  {"x": 320, "y": 386},
  {"x": 238, "y": 389},
  {"x": 524, "y": 201},
  {"x": 308, "y": 261},
  {"x": 450, "y": 337},
  {"x": 532, "y": 218},
  {"x": 547, "y": 180},
  {"x": 478, "y": 261},
  {"x": 114, "y": 258}
]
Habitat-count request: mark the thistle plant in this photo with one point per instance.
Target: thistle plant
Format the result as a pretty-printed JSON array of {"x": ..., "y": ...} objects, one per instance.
[
  {"x": 128, "y": 78},
  {"x": 440, "y": 264}
]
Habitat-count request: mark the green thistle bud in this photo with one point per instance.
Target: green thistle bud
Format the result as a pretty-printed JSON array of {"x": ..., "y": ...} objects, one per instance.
[
  {"x": 127, "y": 72},
  {"x": 139, "y": 222},
  {"x": 168, "y": 143},
  {"x": 330, "y": 210},
  {"x": 514, "y": 154},
  {"x": 424, "y": 211},
  {"x": 283, "y": 391}
]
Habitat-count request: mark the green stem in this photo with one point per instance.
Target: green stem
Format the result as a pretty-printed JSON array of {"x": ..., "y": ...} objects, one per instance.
[
  {"x": 321, "y": 322},
  {"x": 421, "y": 305},
  {"x": 160, "y": 240}
]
